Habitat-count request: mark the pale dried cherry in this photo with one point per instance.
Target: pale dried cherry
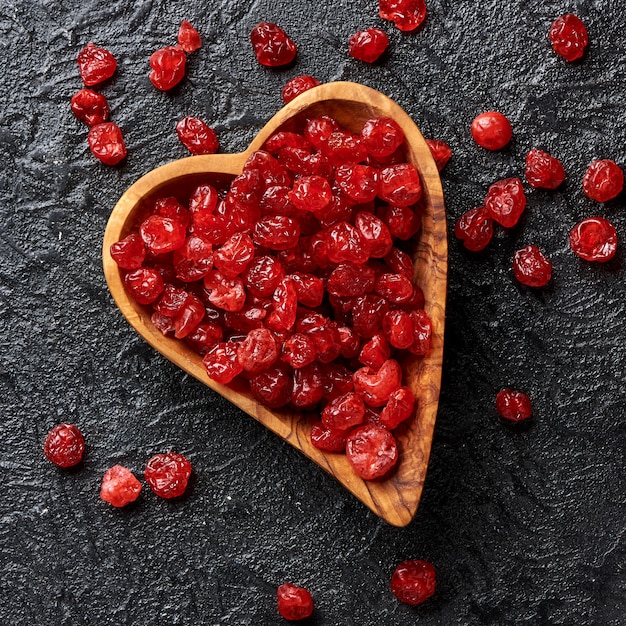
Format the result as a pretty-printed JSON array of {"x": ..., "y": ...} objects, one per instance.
[
  {"x": 372, "y": 451},
  {"x": 119, "y": 486},
  {"x": 188, "y": 37}
]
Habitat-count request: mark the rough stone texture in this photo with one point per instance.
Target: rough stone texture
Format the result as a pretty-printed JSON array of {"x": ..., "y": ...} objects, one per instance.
[{"x": 523, "y": 526}]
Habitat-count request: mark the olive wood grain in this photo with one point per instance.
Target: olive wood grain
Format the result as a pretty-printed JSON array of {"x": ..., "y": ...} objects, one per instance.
[{"x": 395, "y": 498}]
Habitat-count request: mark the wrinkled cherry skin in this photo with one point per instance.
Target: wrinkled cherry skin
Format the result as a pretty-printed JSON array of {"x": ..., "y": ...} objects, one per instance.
[
  {"x": 297, "y": 85},
  {"x": 441, "y": 152},
  {"x": 594, "y": 239},
  {"x": 603, "y": 180},
  {"x": 95, "y": 64},
  {"x": 168, "y": 474},
  {"x": 90, "y": 107},
  {"x": 144, "y": 284},
  {"x": 506, "y": 201},
  {"x": 107, "y": 143},
  {"x": 413, "y": 581},
  {"x": 168, "y": 67},
  {"x": 491, "y": 130},
  {"x": 129, "y": 253},
  {"x": 64, "y": 445},
  {"x": 400, "y": 185},
  {"x": 328, "y": 439},
  {"x": 372, "y": 451},
  {"x": 513, "y": 405},
  {"x": 197, "y": 136},
  {"x": 368, "y": 45},
  {"x": 475, "y": 229},
  {"x": 381, "y": 136},
  {"x": 407, "y": 15},
  {"x": 272, "y": 47},
  {"x": 294, "y": 603},
  {"x": 568, "y": 36},
  {"x": 543, "y": 170},
  {"x": 531, "y": 267},
  {"x": 188, "y": 37},
  {"x": 119, "y": 486}
]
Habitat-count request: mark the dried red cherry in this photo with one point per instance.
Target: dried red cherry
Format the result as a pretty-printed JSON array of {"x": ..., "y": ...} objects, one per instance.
[
  {"x": 474, "y": 228},
  {"x": 568, "y": 36},
  {"x": 90, "y": 107},
  {"x": 119, "y": 486},
  {"x": 381, "y": 136},
  {"x": 367, "y": 45},
  {"x": 531, "y": 267},
  {"x": 107, "y": 143},
  {"x": 168, "y": 67},
  {"x": 129, "y": 253},
  {"x": 372, "y": 451},
  {"x": 543, "y": 170},
  {"x": 294, "y": 603},
  {"x": 221, "y": 362},
  {"x": 272, "y": 47},
  {"x": 491, "y": 130},
  {"x": 413, "y": 581},
  {"x": 162, "y": 234},
  {"x": 298, "y": 85},
  {"x": 144, "y": 284},
  {"x": 197, "y": 136},
  {"x": 328, "y": 439},
  {"x": 594, "y": 239},
  {"x": 64, "y": 445},
  {"x": 506, "y": 201},
  {"x": 407, "y": 15},
  {"x": 167, "y": 474},
  {"x": 400, "y": 185},
  {"x": 95, "y": 64},
  {"x": 513, "y": 405},
  {"x": 188, "y": 37},
  {"x": 603, "y": 180},
  {"x": 441, "y": 152}
]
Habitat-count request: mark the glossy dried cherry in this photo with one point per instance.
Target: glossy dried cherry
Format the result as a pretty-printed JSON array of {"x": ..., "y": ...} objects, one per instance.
[
  {"x": 475, "y": 229},
  {"x": 513, "y": 405},
  {"x": 569, "y": 37},
  {"x": 90, "y": 107},
  {"x": 168, "y": 67},
  {"x": 372, "y": 451},
  {"x": 64, "y": 445},
  {"x": 167, "y": 474},
  {"x": 294, "y": 603},
  {"x": 594, "y": 239},
  {"x": 272, "y": 46},
  {"x": 95, "y": 64},
  {"x": 298, "y": 85},
  {"x": 407, "y": 15},
  {"x": 197, "y": 136},
  {"x": 506, "y": 201},
  {"x": 441, "y": 152},
  {"x": 531, "y": 267},
  {"x": 368, "y": 45},
  {"x": 106, "y": 143},
  {"x": 543, "y": 170},
  {"x": 188, "y": 37},
  {"x": 413, "y": 581},
  {"x": 491, "y": 130},
  {"x": 603, "y": 180}
]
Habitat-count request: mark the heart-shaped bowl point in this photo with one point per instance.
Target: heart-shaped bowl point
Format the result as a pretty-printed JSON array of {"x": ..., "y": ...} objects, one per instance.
[{"x": 394, "y": 498}]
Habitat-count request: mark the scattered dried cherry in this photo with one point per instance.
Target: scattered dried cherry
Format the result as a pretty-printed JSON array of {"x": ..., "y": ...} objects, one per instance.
[
  {"x": 168, "y": 67},
  {"x": 603, "y": 180},
  {"x": 64, "y": 445},
  {"x": 506, "y": 201},
  {"x": 90, "y": 107},
  {"x": 372, "y": 451},
  {"x": 95, "y": 64},
  {"x": 513, "y": 405},
  {"x": 197, "y": 136},
  {"x": 294, "y": 603},
  {"x": 168, "y": 474},
  {"x": 474, "y": 228},
  {"x": 568, "y": 36},
  {"x": 407, "y": 15},
  {"x": 413, "y": 581},
  {"x": 543, "y": 170},
  {"x": 272, "y": 47},
  {"x": 298, "y": 85},
  {"x": 531, "y": 267},
  {"x": 594, "y": 239},
  {"x": 441, "y": 152},
  {"x": 188, "y": 37},
  {"x": 107, "y": 143},
  {"x": 491, "y": 130},
  {"x": 368, "y": 45},
  {"x": 119, "y": 486}
]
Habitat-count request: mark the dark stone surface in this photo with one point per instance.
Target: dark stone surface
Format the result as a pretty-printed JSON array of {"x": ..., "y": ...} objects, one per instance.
[{"x": 524, "y": 527}]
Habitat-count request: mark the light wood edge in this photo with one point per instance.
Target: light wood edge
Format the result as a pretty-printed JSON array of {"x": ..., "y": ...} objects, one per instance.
[{"x": 394, "y": 499}]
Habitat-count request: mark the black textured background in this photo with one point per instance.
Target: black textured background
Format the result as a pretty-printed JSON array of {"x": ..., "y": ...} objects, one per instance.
[{"x": 523, "y": 526}]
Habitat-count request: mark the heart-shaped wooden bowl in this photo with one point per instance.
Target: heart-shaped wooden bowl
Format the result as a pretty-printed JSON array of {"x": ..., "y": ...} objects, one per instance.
[{"x": 395, "y": 498}]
